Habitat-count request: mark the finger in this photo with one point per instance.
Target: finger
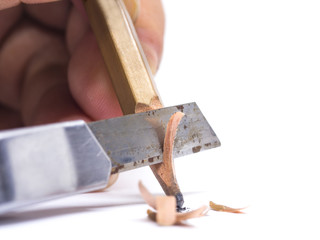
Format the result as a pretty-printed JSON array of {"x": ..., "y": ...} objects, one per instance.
[
  {"x": 56, "y": 103},
  {"x": 77, "y": 26},
  {"x": 45, "y": 96},
  {"x": 150, "y": 29},
  {"x": 11, "y": 3},
  {"x": 78, "y": 23},
  {"x": 90, "y": 83},
  {"x": 52, "y": 14},
  {"x": 8, "y": 18},
  {"x": 24, "y": 41},
  {"x": 9, "y": 118},
  {"x": 132, "y": 6}
]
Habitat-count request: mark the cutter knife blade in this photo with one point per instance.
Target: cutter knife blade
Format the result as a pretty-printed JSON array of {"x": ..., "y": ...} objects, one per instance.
[{"x": 62, "y": 159}]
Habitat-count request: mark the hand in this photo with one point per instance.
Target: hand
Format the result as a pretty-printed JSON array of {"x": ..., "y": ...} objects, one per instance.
[{"x": 50, "y": 65}]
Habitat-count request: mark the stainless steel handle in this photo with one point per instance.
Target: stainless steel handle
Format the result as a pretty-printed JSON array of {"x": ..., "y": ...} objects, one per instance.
[{"x": 49, "y": 161}]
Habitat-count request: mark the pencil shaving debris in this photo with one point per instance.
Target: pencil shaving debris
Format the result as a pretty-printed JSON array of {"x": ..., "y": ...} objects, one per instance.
[
  {"x": 222, "y": 208},
  {"x": 165, "y": 206}
]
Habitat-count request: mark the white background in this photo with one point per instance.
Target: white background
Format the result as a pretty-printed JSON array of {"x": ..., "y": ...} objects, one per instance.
[{"x": 253, "y": 69}]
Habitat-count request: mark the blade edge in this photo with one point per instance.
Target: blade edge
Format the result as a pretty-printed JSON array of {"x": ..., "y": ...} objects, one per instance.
[{"x": 136, "y": 140}]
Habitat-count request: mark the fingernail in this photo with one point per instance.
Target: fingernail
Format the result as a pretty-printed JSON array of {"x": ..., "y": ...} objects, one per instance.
[
  {"x": 133, "y": 8},
  {"x": 152, "y": 57}
]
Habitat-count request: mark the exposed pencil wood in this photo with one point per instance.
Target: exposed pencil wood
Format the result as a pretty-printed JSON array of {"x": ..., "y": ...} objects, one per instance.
[{"x": 165, "y": 171}]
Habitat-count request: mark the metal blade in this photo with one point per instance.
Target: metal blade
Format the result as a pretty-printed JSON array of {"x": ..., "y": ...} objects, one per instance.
[{"x": 136, "y": 140}]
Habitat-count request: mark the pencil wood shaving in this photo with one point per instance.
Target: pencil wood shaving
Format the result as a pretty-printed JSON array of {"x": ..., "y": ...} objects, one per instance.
[
  {"x": 165, "y": 172},
  {"x": 222, "y": 208},
  {"x": 165, "y": 206},
  {"x": 147, "y": 196},
  {"x": 165, "y": 213},
  {"x": 166, "y": 210},
  {"x": 200, "y": 212}
]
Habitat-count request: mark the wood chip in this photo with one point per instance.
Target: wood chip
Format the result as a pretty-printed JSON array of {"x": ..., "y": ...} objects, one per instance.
[
  {"x": 222, "y": 208},
  {"x": 165, "y": 206},
  {"x": 152, "y": 215},
  {"x": 147, "y": 196},
  {"x": 170, "y": 136},
  {"x": 164, "y": 171},
  {"x": 200, "y": 212},
  {"x": 166, "y": 214}
]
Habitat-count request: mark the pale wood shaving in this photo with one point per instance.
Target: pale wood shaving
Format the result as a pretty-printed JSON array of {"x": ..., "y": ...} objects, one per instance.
[
  {"x": 222, "y": 208},
  {"x": 165, "y": 206},
  {"x": 170, "y": 136},
  {"x": 164, "y": 171},
  {"x": 166, "y": 214},
  {"x": 147, "y": 196},
  {"x": 200, "y": 212}
]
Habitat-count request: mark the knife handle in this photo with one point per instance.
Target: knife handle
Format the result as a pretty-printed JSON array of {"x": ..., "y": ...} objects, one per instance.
[
  {"x": 50, "y": 161},
  {"x": 123, "y": 55}
]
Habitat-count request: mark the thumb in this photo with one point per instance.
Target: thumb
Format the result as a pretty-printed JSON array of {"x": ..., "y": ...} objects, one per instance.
[{"x": 149, "y": 25}]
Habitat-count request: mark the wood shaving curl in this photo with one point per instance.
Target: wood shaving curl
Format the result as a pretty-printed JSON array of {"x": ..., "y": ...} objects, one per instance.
[
  {"x": 222, "y": 208},
  {"x": 165, "y": 213},
  {"x": 165, "y": 206}
]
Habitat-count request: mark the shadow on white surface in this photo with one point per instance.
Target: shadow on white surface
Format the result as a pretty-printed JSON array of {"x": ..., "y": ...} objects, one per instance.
[{"x": 71, "y": 205}]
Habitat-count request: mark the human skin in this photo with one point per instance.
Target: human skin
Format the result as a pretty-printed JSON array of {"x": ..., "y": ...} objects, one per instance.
[{"x": 50, "y": 66}]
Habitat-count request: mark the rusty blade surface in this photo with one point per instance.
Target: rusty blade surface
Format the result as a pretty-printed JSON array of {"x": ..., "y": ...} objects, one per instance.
[{"x": 136, "y": 140}]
